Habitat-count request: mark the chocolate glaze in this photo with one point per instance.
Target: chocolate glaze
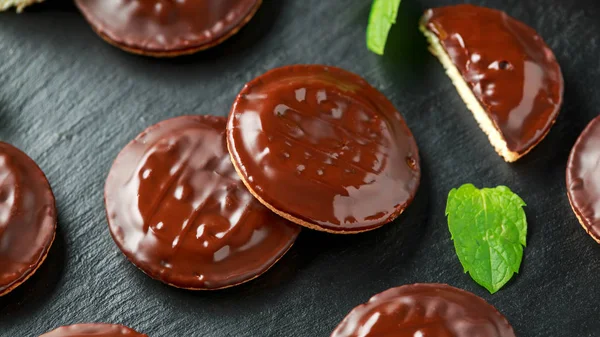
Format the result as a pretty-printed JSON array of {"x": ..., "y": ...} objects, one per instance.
[
  {"x": 320, "y": 144},
  {"x": 507, "y": 65},
  {"x": 158, "y": 25},
  {"x": 425, "y": 310},
  {"x": 27, "y": 217},
  {"x": 96, "y": 330},
  {"x": 178, "y": 210},
  {"x": 583, "y": 178}
]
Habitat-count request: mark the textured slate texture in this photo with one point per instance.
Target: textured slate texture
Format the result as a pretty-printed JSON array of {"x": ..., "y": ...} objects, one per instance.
[{"x": 72, "y": 102}]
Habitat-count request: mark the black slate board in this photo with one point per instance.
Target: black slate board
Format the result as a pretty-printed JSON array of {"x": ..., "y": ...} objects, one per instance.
[{"x": 72, "y": 102}]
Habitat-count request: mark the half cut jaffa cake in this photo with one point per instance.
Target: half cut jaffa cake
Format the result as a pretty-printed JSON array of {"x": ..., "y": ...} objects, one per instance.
[
  {"x": 19, "y": 4},
  {"x": 502, "y": 69}
]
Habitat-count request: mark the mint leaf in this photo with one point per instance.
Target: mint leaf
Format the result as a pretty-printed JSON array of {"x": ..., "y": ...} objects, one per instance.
[
  {"x": 383, "y": 16},
  {"x": 489, "y": 229}
]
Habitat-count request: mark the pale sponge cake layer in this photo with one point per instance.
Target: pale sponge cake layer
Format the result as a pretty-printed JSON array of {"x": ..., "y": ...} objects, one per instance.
[
  {"x": 485, "y": 123},
  {"x": 19, "y": 4}
]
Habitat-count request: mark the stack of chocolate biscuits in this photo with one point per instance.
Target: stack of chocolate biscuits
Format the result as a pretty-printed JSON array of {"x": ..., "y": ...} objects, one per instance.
[{"x": 204, "y": 202}]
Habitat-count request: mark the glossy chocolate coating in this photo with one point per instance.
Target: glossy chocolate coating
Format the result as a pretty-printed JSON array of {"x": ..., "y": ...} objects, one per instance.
[
  {"x": 27, "y": 217},
  {"x": 425, "y": 310},
  {"x": 320, "y": 144},
  {"x": 178, "y": 210},
  {"x": 93, "y": 330},
  {"x": 158, "y": 25},
  {"x": 583, "y": 178},
  {"x": 507, "y": 65}
]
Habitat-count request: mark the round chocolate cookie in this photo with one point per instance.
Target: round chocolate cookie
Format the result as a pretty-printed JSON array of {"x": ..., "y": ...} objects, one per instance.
[
  {"x": 425, "y": 310},
  {"x": 583, "y": 179},
  {"x": 27, "y": 217},
  {"x": 167, "y": 28},
  {"x": 321, "y": 147},
  {"x": 95, "y": 330},
  {"x": 178, "y": 210}
]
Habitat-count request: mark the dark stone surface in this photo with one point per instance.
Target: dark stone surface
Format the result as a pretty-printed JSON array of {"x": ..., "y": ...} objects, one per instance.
[{"x": 72, "y": 102}]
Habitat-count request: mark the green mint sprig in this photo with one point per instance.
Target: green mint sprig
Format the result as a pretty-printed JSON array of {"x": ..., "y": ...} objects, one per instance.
[
  {"x": 489, "y": 230},
  {"x": 383, "y": 16}
]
